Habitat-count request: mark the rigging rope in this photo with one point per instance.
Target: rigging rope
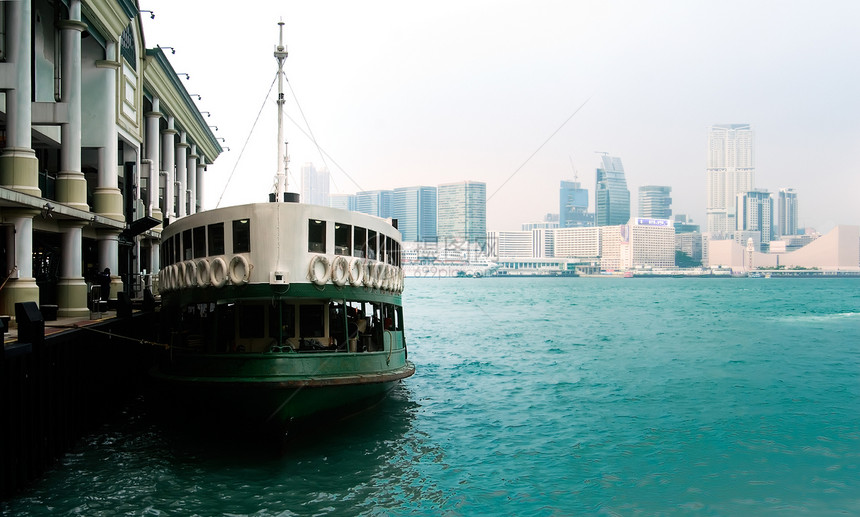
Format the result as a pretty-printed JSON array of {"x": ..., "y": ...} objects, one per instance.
[
  {"x": 230, "y": 178},
  {"x": 539, "y": 148},
  {"x": 118, "y": 336}
]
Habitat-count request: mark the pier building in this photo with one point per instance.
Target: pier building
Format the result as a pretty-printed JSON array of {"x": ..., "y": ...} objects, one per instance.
[{"x": 101, "y": 146}]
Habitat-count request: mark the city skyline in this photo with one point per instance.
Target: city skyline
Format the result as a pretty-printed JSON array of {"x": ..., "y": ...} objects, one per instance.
[{"x": 394, "y": 104}]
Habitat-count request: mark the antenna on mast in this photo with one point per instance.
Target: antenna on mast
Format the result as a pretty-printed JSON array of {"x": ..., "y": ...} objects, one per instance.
[{"x": 281, "y": 56}]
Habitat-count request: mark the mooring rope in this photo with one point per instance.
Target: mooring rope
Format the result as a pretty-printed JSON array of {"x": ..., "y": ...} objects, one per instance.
[{"x": 111, "y": 334}]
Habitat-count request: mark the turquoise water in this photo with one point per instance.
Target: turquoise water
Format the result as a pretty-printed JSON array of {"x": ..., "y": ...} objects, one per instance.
[{"x": 541, "y": 397}]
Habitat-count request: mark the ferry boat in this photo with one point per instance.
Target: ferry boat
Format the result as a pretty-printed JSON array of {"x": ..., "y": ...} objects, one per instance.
[{"x": 280, "y": 311}]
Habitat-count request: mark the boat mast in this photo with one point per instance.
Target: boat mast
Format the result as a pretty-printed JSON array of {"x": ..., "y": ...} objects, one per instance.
[{"x": 281, "y": 56}]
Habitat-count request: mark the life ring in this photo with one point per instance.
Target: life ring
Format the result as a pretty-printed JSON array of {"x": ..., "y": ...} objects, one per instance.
[
  {"x": 367, "y": 273},
  {"x": 203, "y": 272},
  {"x": 356, "y": 272},
  {"x": 387, "y": 277},
  {"x": 239, "y": 276},
  {"x": 218, "y": 272},
  {"x": 339, "y": 271},
  {"x": 178, "y": 276},
  {"x": 162, "y": 280},
  {"x": 190, "y": 272},
  {"x": 318, "y": 270},
  {"x": 172, "y": 283},
  {"x": 378, "y": 269}
]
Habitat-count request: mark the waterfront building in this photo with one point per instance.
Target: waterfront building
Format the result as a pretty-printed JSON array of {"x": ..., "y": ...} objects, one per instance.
[
  {"x": 315, "y": 185},
  {"x": 521, "y": 244},
  {"x": 573, "y": 206},
  {"x": 684, "y": 225},
  {"x": 835, "y": 251},
  {"x": 730, "y": 171},
  {"x": 642, "y": 244},
  {"x": 342, "y": 201},
  {"x": 374, "y": 202},
  {"x": 787, "y": 219},
  {"x": 612, "y": 198},
  {"x": 462, "y": 212},
  {"x": 580, "y": 243},
  {"x": 689, "y": 243},
  {"x": 655, "y": 202},
  {"x": 100, "y": 146},
  {"x": 415, "y": 211},
  {"x": 549, "y": 222},
  {"x": 754, "y": 213}
]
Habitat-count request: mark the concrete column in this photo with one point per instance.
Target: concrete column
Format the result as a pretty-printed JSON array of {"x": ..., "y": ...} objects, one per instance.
[
  {"x": 192, "y": 180},
  {"x": 71, "y": 184},
  {"x": 108, "y": 249},
  {"x": 71, "y": 288},
  {"x": 19, "y": 167},
  {"x": 21, "y": 286},
  {"x": 199, "y": 183},
  {"x": 168, "y": 150},
  {"x": 153, "y": 153},
  {"x": 107, "y": 199},
  {"x": 181, "y": 178}
]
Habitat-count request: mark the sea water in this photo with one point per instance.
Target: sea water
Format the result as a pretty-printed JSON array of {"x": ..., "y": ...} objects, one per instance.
[{"x": 539, "y": 396}]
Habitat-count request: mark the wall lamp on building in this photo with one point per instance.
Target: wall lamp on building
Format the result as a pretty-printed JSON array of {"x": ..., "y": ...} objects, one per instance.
[
  {"x": 216, "y": 127},
  {"x": 151, "y": 14},
  {"x": 171, "y": 49},
  {"x": 47, "y": 211},
  {"x": 207, "y": 113},
  {"x": 199, "y": 97},
  {"x": 187, "y": 76}
]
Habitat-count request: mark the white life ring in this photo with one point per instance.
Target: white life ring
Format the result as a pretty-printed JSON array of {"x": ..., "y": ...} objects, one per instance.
[
  {"x": 378, "y": 269},
  {"x": 190, "y": 271},
  {"x": 356, "y": 272},
  {"x": 367, "y": 273},
  {"x": 386, "y": 278},
  {"x": 203, "y": 272},
  {"x": 172, "y": 284},
  {"x": 239, "y": 270},
  {"x": 340, "y": 271},
  {"x": 402, "y": 280},
  {"x": 218, "y": 272},
  {"x": 318, "y": 270},
  {"x": 162, "y": 280},
  {"x": 179, "y": 276}
]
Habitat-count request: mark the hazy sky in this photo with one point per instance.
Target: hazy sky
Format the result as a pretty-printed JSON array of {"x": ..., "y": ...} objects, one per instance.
[{"x": 402, "y": 93}]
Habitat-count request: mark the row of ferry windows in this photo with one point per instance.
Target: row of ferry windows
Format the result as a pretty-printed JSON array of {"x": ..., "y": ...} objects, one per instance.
[
  {"x": 208, "y": 241},
  {"x": 353, "y": 241}
]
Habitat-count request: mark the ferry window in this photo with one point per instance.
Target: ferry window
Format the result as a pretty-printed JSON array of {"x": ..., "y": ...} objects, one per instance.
[
  {"x": 251, "y": 321},
  {"x": 311, "y": 321},
  {"x": 186, "y": 245},
  {"x": 287, "y": 321},
  {"x": 216, "y": 239},
  {"x": 241, "y": 236},
  {"x": 177, "y": 249},
  {"x": 371, "y": 244},
  {"x": 342, "y": 238},
  {"x": 316, "y": 235},
  {"x": 166, "y": 254},
  {"x": 397, "y": 254},
  {"x": 199, "y": 242},
  {"x": 388, "y": 256},
  {"x": 359, "y": 237}
]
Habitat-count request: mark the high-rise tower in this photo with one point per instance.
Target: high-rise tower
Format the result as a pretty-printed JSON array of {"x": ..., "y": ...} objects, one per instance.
[
  {"x": 462, "y": 211},
  {"x": 415, "y": 211},
  {"x": 612, "y": 199},
  {"x": 315, "y": 185},
  {"x": 655, "y": 202},
  {"x": 787, "y": 212},
  {"x": 573, "y": 206},
  {"x": 730, "y": 171},
  {"x": 755, "y": 213}
]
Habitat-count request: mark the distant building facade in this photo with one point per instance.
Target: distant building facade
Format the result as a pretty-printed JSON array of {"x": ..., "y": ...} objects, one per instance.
[
  {"x": 342, "y": 201},
  {"x": 415, "y": 211},
  {"x": 787, "y": 219},
  {"x": 315, "y": 185},
  {"x": 612, "y": 198},
  {"x": 655, "y": 202},
  {"x": 730, "y": 171},
  {"x": 462, "y": 211},
  {"x": 754, "y": 213},
  {"x": 573, "y": 206},
  {"x": 374, "y": 202}
]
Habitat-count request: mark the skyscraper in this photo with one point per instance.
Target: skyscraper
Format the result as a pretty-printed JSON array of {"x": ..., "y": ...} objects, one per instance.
[
  {"x": 374, "y": 202},
  {"x": 415, "y": 211},
  {"x": 655, "y": 202},
  {"x": 462, "y": 211},
  {"x": 730, "y": 171},
  {"x": 612, "y": 199},
  {"x": 755, "y": 214},
  {"x": 787, "y": 212},
  {"x": 573, "y": 206},
  {"x": 315, "y": 185}
]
